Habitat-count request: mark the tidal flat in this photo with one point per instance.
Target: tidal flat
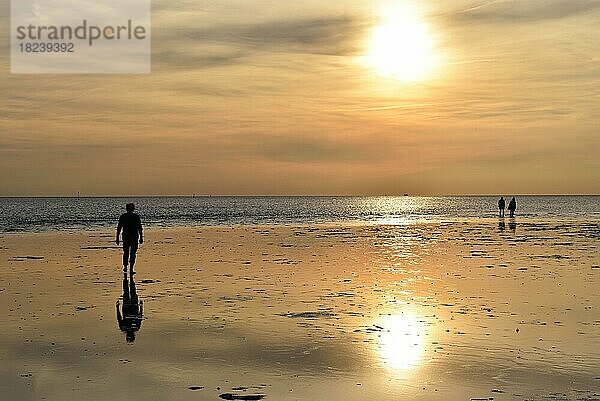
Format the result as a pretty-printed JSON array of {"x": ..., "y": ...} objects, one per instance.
[{"x": 447, "y": 310}]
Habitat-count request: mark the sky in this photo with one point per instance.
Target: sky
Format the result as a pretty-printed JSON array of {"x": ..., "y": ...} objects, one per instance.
[{"x": 270, "y": 97}]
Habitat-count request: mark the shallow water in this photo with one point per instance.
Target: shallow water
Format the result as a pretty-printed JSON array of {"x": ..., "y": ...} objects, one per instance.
[
  {"x": 43, "y": 214},
  {"x": 437, "y": 311}
]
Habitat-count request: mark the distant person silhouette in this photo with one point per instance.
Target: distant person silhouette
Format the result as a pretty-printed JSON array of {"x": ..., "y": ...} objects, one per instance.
[
  {"x": 501, "y": 204},
  {"x": 131, "y": 224},
  {"x": 130, "y": 320},
  {"x": 512, "y": 206}
]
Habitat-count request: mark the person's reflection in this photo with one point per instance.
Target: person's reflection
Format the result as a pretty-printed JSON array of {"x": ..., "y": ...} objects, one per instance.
[
  {"x": 130, "y": 318},
  {"x": 501, "y": 225},
  {"x": 512, "y": 224}
]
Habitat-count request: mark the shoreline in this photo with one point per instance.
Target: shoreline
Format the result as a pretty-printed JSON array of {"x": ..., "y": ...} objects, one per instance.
[{"x": 392, "y": 221}]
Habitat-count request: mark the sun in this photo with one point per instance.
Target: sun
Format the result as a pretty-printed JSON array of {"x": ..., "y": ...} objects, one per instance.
[{"x": 401, "y": 47}]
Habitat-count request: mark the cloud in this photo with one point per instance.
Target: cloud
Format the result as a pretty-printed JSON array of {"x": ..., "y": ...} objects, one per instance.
[
  {"x": 324, "y": 36},
  {"x": 309, "y": 148},
  {"x": 527, "y": 11},
  {"x": 319, "y": 36},
  {"x": 186, "y": 59}
]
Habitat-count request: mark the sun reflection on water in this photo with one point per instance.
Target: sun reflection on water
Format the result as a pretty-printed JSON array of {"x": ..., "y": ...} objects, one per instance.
[{"x": 402, "y": 341}]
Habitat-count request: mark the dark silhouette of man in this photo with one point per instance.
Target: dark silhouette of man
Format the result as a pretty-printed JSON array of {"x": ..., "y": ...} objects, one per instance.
[
  {"x": 501, "y": 204},
  {"x": 130, "y": 320},
  {"x": 131, "y": 224},
  {"x": 512, "y": 206}
]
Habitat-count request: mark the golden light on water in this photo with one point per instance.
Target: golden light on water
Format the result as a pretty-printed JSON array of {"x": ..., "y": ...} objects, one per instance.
[
  {"x": 401, "y": 46},
  {"x": 402, "y": 341}
]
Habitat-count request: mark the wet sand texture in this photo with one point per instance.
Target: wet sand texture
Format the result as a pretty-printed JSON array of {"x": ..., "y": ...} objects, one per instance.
[{"x": 435, "y": 311}]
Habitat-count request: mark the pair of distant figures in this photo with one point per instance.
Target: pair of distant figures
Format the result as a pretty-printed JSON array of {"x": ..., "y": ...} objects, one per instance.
[{"x": 512, "y": 206}]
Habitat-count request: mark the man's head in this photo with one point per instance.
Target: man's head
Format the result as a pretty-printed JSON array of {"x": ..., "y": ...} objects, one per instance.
[{"x": 130, "y": 207}]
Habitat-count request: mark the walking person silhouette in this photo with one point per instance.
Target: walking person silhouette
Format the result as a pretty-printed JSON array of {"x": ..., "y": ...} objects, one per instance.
[{"x": 131, "y": 224}]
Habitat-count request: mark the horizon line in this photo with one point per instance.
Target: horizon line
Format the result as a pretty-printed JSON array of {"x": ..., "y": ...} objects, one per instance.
[{"x": 284, "y": 196}]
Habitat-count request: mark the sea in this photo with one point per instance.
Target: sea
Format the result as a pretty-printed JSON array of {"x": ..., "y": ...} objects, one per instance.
[{"x": 36, "y": 214}]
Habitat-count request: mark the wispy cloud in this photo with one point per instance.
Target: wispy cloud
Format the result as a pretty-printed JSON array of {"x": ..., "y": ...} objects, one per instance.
[
  {"x": 227, "y": 44},
  {"x": 523, "y": 11}
]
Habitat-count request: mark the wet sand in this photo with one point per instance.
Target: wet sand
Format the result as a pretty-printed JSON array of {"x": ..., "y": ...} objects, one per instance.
[{"x": 480, "y": 310}]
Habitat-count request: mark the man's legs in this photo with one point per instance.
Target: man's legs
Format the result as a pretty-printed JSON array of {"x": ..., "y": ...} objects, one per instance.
[
  {"x": 133, "y": 246},
  {"x": 125, "y": 255}
]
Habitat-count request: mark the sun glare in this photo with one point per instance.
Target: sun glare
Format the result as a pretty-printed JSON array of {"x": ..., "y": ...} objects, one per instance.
[
  {"x": 401, "y": 46},
  {"x": 401, "y": 344}
]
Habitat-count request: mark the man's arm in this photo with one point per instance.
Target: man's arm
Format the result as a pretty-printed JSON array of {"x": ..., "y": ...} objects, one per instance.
[
  {"x": 119, "y": 228},
  {"x": 140, "y": 230}
]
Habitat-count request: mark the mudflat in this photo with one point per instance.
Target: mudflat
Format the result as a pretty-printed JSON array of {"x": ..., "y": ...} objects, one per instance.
[{"x": 448, "y": 310}]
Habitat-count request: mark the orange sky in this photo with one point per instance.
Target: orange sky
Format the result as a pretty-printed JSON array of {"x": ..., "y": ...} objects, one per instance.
[{"x": 272, "y": 97}]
